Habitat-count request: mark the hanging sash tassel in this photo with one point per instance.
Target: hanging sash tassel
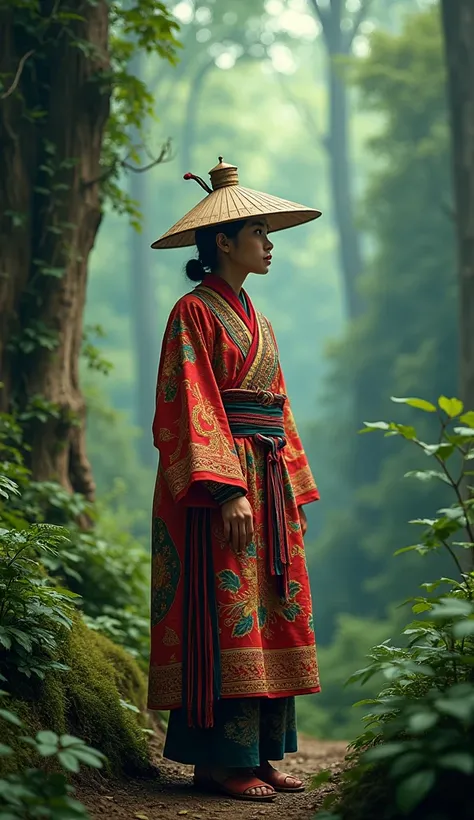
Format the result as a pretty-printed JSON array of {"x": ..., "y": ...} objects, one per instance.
[
  {"x": 201, "y": 660},
  {"x": 258, "y": 414},
  {"x": 278, "y": 545}
]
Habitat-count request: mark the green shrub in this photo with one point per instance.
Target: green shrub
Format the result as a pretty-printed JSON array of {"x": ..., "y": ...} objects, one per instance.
[
  {"x": 61, "y": 675},
  {"x": 104, "y": 570},
  {"x": 35, "y": 793},
  {"x": 416, "y": 757}
]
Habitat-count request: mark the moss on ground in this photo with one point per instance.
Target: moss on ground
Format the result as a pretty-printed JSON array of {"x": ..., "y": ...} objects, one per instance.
[{"x": 85, "y": 702}]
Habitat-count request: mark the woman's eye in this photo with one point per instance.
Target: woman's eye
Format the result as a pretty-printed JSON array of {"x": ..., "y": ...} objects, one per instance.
[{"x": 259, "y": 230}]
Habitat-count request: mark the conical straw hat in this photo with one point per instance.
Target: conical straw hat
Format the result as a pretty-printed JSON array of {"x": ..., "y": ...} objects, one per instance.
[{"x": 227, "y": 201}]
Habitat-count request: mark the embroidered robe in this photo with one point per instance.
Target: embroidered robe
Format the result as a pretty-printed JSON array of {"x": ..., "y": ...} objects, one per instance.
[{"x": 263, "y": 644}]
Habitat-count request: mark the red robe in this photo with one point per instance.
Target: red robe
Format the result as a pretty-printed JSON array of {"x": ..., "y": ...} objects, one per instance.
[{"x": 264, "y": 645}]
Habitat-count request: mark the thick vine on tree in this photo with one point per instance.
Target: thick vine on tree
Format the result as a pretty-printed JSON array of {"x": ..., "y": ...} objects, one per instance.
[{"x": 63, "y": 144}]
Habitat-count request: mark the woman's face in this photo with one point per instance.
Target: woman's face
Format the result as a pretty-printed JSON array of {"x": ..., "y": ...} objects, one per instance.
[{"x": 250, "y": 251}]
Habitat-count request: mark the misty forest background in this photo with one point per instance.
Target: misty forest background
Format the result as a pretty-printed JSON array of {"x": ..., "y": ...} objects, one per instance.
[{"x": 351, "y": 119}]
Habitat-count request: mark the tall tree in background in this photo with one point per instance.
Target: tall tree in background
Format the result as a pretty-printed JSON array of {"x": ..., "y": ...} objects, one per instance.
[
  {"x": 339, "y": 29},
  {"x": 458, "y": 26},
  {"x": 62, "y": 150}
]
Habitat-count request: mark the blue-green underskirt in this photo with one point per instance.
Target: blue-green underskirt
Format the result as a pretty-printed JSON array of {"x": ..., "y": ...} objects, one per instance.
[{"x": 246, "y": 732}]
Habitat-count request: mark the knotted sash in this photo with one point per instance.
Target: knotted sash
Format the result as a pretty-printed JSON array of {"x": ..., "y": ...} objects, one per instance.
[{"x": 258, "y": 414}]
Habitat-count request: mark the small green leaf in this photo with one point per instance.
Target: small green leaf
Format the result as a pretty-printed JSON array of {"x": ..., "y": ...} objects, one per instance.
[
  {"x": 50, "y": 738},
  {"x": 463, "y": 629},
  {"x": 88, "y": 758},
  {"x": 69, "y": 761},
  {"x": 375, "y": 425},
  {"x": 405, "y": 430},
  {"x": 5, "y": 751},
  {"x": 420, "y": 404},
  {"x": 414, "y": 789},
  {"x": 383, "y": 751},
  {"x": 422, "y": 721},
  {"x": 461, "y": 761},
  {"x": 10, "y": 717},
  {"x": 464, "y": 432},
  {"x": 70, "y": 740},
  {"x": 320, "y": 779},
  {"x": 46, "y": 749},
  {"x": 427, "y": 475},
  {"x": 421, "y": 607},
  {"x": 131, "y": 706},
  {"x": 468, "y": 418},
  {"x": 452, "y": 407}
]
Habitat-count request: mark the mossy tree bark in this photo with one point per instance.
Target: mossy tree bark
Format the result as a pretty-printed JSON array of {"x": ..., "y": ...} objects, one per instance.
[{"x": 53, "y": 112}]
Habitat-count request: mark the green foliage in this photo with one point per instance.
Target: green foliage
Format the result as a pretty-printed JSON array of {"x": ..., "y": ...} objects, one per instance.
[
  {"x": 415, "y": 758},
  {"x": 61, "y": 677},
  {"x": 103, "y": 570},
  {"x": 35, "y": 793}
]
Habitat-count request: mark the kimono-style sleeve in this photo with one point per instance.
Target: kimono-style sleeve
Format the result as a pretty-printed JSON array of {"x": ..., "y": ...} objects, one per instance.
[
  {"x": 190, "y": 427},
  {"x": 301, "y": 477}
]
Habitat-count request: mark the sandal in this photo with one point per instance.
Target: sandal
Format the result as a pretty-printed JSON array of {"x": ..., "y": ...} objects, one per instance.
[
  {"x": 236, "y": 787},
  {"x": 278, "y": 781}
]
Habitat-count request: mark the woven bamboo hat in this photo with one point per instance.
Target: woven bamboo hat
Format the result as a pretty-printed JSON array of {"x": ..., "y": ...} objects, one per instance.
[{"x": 227, "y": 201}]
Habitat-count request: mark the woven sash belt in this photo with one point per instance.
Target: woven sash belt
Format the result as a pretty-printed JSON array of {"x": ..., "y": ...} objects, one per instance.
[{"x": 259, "y": 415}]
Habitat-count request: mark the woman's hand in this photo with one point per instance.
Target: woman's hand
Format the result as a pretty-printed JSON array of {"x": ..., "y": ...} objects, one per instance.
[
  {"x": 303, "y": 521},
  {"x": 237, "y": 516}
]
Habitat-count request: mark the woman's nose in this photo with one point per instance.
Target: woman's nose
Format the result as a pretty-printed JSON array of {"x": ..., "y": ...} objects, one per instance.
[{"x": 268, "y": 245}]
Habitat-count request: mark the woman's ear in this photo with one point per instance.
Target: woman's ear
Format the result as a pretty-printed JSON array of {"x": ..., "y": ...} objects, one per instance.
[{"x": 222, "y": 242}]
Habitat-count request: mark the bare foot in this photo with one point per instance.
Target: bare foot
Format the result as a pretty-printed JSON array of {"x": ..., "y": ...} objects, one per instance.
[
  {"x": 277, "y": 779},
  {"x": 235, "y": 781}
]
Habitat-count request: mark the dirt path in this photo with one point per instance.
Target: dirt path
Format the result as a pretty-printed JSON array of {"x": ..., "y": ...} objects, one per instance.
[{"x": 170, "y": 793}]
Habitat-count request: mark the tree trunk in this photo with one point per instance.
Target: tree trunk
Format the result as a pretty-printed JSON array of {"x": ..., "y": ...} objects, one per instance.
[
  {"x": 338, "y": 44},
  {"x": 196, "y": 87},
  {"x": 341, "y": 183},
  {"x": 51, "y": 131},
  {"x": 458, "y": 24}
]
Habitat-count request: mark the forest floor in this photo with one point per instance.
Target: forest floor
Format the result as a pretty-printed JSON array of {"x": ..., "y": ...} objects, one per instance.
[{"x": 169, "y": 792}]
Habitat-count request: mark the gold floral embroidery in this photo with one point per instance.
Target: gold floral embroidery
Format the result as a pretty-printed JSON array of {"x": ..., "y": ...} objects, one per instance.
[
  {"x": 291, "y": 430},
  {"x": 244, "y": 728},
  {"x": 273, "y": 671},
  {"x": 174, "y": 360},
  {"x": 255, "y": 602},
  {"x": 302, "y": 481},
  {"x": 219, "y": 366},
  {"x": 246, "y": 672},
  {"x": 234, "y": 325},
  {"x": 170, "y": 638},
  {"x": 265, "y": 365},
  {"x": 215, "y": 454},
  {"x": 279, "y": 720}
]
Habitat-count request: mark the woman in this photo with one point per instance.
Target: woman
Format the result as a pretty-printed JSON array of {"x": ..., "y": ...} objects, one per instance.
[{"x": 232, "y": 638}]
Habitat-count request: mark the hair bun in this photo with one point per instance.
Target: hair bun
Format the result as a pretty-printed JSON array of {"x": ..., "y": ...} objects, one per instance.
[{"x": 195, "y": 270}]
